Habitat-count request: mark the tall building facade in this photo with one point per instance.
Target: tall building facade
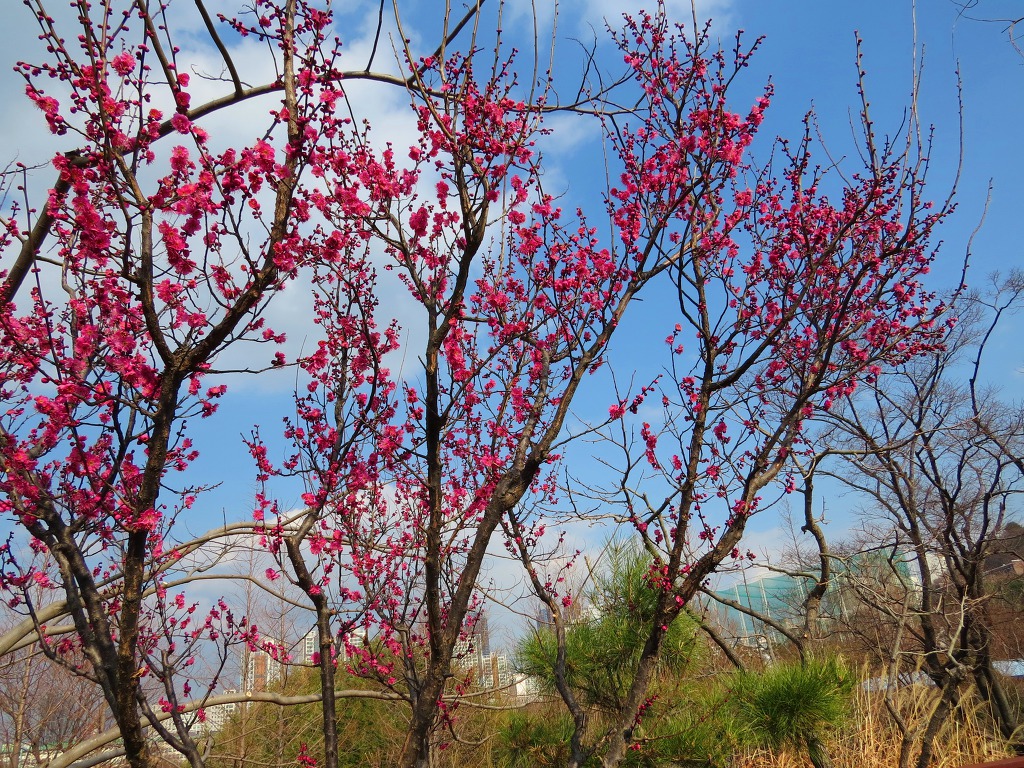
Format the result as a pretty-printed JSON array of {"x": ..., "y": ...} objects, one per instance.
[{"x": 262, "y": 668}]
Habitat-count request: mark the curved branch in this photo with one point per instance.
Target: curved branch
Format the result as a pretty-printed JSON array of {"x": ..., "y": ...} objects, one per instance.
[
  {"x": 70, "y": 757},
  {"x": 23, "y": 633}
]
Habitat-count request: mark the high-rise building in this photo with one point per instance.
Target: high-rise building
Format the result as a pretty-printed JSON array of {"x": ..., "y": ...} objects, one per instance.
[
  {"x": 487, "y": 669},
  {"x": 481, "y": 635},
  {"x": 780, "y": 598},
  {"x": 262, "y": 667},
  {"x": 303, "y": 651},
  {"x": 218, "y": 715},
  {"x": 308, "y": 645},
  {"x": 496, "y": 672},
  {"x": 476, "y": 643}
]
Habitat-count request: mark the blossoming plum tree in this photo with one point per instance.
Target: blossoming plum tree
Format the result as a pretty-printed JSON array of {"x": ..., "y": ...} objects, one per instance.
[
  {"x": 785, "y": 300},
  {"x": 506, "y": 351}
]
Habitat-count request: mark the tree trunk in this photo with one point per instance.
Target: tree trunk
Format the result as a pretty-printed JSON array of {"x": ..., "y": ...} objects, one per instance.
[
  {"x": 622, "y": 734},
  {"x": 991, "y": 690},
  {"x": 416, "y": 749},
  {"x": 328, "y": 672},
  {"x": 936, "y": 721}
]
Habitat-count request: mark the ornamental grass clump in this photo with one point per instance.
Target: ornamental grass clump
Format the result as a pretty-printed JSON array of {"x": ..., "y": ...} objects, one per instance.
[{"x": 793, "y": 706}]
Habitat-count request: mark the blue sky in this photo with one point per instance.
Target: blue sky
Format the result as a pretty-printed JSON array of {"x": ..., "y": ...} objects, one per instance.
[{"x": 808, "y": 53}]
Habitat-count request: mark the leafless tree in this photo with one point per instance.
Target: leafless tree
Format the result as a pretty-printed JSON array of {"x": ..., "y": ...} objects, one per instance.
[{"x": 936, "y": 454}]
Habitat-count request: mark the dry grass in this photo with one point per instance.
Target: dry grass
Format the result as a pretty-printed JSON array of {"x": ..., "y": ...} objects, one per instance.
[{"x": 872, "y": 740}]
